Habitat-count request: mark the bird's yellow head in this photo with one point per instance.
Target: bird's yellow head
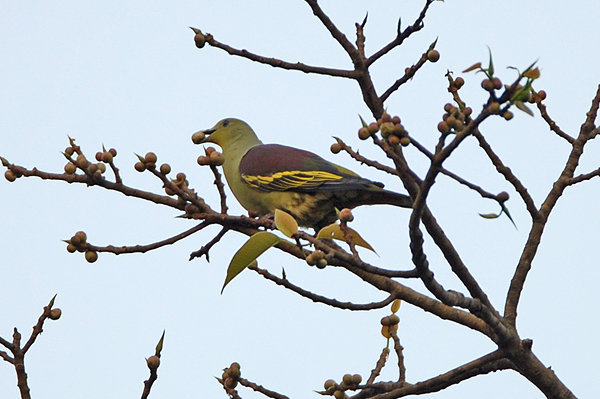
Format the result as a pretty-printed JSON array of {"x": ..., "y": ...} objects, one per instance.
[{"x": 227, "y": 134}]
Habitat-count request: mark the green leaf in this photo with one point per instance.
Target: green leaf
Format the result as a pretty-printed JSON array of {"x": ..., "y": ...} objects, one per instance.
[
  {"x": 490, "y": 69},
  {"x": 365, "y": 124},
  {"x": 505, "y": 210},
  {"x": 285, "y": 223},
  {"x": 252, "y": 249},
  {"x": 52, "y": 301},
  {"x": 159, "y": 346},
  {"x": 334, "y": 231},
  {"x": 523, "y": 107}
]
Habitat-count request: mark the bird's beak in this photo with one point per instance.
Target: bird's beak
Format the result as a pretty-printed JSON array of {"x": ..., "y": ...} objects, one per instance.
[{"x": 202, "y": 136}]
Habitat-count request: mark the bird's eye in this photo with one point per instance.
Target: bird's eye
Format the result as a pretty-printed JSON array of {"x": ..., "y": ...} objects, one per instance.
[{"x": 226, "y": 123}]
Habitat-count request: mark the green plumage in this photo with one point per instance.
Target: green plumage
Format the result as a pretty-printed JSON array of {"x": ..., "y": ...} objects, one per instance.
[{"x": 268, "y": 177}]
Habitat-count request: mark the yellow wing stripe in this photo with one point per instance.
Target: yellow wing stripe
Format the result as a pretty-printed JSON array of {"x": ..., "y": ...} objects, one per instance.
[{"x": 289, "y": 180}]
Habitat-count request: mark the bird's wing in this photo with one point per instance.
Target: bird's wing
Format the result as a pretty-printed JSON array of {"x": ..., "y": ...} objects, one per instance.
[{"x": 274, "y": 167}]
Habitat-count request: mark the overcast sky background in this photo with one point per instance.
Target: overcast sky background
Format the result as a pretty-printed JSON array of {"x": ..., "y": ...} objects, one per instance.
[{"x": 127, "y": 75}]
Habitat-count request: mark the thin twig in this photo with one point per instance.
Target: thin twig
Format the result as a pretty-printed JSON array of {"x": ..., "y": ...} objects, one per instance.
[
  {"x": 148, "y": 247},
  {"x": 319, "y": 298},
  {"x": 261, "y": 389},
  {"x": 553, "y": 126},
  {"x": 205, "y": 248},
  {"x": 277, "y": 63}
]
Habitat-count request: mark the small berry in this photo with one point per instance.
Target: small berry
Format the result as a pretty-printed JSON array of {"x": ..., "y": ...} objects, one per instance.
[
  {"x": 541, "y": 95},
  {"x": 55, "y": 314},
  {"x": 494, "y": 107},
  {"x": 106, "y": 157},
  {"x": 217, "y": 159},
  {"x": 399, "y": 130},
  {"x": 69, "y": 151},
  {"x": 443, "y": 127},
  {"x": 181, "y": 176},
  {"x": 321, "y": 263},
  {"x": 198, "y": 137},
  {"x": 394, "y": 140},
  {"x": 329, "y": 384},
  {"x": 82, "y": 162},
  {"x": 468, "y": 111},
  {"x": 396, "y": 120},
  {"x": 346, "y": 215},
  {"x": 459, "y": 82},
  {"x": 394, "y": 319},
  {"x": 448, "y": 108},
  {"x": 113, "y": 152},
  {"x": 230, "y": 383},
  {"x": 339, "y": 394},
  {"x": 140, "y": 166},
  {"x": 487, "y": 85},
  {"x": 364, "y": 133},
  {"x": 101, "y": 167},
  {"x": 347, "y": 379},
  {"x": 404, "y": 141},
  {"x": 503, "y": 196},
  {"x": 385, "y": 321},
  {"x": 150, "y": 158},
  {"x": 497, "y": 83},
  {"x": 153, "y": 362},
  {"x": 335, "y": 148},
  {"x": 356, "y": 379},
  {"x": 203, "y": 160},
  {"x": 165, "y": 168},
  {"x": 373, "y": 127},
  {"x": 71, "y": 248},
  {"x": 79, "y": 238},
  {"x": 200, "y": 40},
  {"x": 433, "y": 55},
  {"x": 508, "y": 115},
  {"x": 10, "y": 176},
  {"x": 98, "y": 156},
  {"x": 91, "y": 256}
]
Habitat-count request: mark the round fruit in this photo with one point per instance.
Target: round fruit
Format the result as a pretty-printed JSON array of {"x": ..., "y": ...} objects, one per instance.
[
  {"x": 336, "y": 148},
  {"x": 198, "y": 137},
  {"x": 153, "y": 362},
  {"x": 91, "y": 256},
  {"x": 433, "y": 55},
  {"x": 10, "y": 176},
  {"x": 165, "y": 168},
  {"x": 150, "y": 158},
  {"x": 55, "y": 314}
]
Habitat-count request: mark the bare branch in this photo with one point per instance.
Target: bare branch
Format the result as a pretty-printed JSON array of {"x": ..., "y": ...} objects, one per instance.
[
  {"x": 277, "y": 63},
  {"x": 319, "y": 298},
  {"x": 205, "y": 248},
  {"x": 553, "y": 126},
  {"x": 535, "y": 235},
  {"x": 149, "y": 247},
  {"x": 415, "y": 27},
  {"x": 261, "y": 389},
  {"x": 408, "y": 75},
  {"x": 508, "y": 175}
]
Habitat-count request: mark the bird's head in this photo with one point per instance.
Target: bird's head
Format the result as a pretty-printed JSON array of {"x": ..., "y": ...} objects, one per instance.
[{"x": 228, "y": 133}]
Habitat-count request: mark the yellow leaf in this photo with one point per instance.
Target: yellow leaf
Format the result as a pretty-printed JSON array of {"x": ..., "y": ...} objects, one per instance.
[
  {"x": 489, "y": 215},
  {"x": 252, "y": 249},
  {"x": 396, "y": 305},
  {"x": 334, "y": 231},
  {"x": 285, "y": 223},
  {"x": 532, "y": 73}
]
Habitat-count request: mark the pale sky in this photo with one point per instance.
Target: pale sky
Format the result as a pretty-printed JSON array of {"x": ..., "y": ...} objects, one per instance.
[{"x": 127, "y": 75}]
